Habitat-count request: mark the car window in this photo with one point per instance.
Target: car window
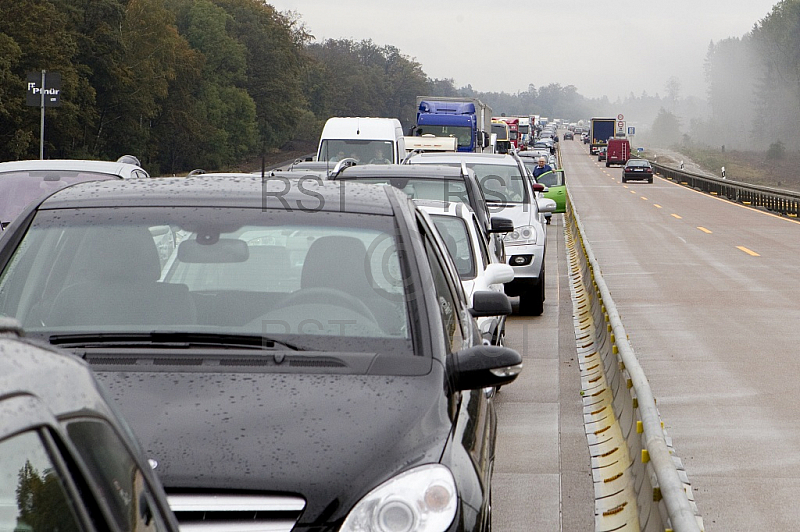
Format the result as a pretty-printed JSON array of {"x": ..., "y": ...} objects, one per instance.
[
  {"x": 429, "y": 189},
  {"x": 551, "y": 179},
  {"x": 483, "y": 250},
  {"x": 237, "y": 271},
  {"x": 19, "y": 188},
  {"x": 32, "y": 493},
  {"x": 114, "y": 471},
  {"x": 500, "y": 183},
  {"x": 363, "y": 151},
  {"x": 449, "y": 307},
  {"x": 455, "y": 234}
]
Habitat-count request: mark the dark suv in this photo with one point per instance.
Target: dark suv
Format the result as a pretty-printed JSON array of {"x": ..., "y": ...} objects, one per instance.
[{"x": 442, "y": 183}]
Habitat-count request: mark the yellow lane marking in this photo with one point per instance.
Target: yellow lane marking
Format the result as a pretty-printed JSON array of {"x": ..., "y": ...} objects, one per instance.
[
  {"x": 676, "y": 216},
  {"x": 748, "y": 251},
  {"x": 718, "y": 198},
  {"x": 703, "y": 229},
  {"x": 657, "y": 206},
  {"x": 644, "y": 198},
  {"x": 633, "y": 192}
]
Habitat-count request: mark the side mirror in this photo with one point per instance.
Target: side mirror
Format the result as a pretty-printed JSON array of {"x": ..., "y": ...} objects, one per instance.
[
  {"x": 546, "y": 205},
  {"x": 501, "y": 225},
  {"x": 538, "y": 187},
  {"x": 490, "y": 303},
  {"x": 482, "y": 366},
  {"x": 497, "y": 273}
]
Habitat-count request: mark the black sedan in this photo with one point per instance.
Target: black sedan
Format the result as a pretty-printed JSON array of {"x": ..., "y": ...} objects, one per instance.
[
  {"x": 67, "y": 461},
  {"x": 637, "y": 170},
  {"x": 304, "y": 359}
]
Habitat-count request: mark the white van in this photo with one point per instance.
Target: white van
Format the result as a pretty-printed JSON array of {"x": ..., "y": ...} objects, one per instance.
[{"x": 367, "y": 140}]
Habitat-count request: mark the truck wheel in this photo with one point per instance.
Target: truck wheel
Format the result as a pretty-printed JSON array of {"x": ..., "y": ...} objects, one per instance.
[{"x": 607, "y": 165}]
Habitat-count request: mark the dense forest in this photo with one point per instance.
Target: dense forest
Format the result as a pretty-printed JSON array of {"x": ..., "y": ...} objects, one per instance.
[{"x": 211, "y": 83}]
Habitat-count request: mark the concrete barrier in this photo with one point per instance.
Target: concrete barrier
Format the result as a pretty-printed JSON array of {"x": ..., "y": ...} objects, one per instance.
[{"x": 640, "y": 483}]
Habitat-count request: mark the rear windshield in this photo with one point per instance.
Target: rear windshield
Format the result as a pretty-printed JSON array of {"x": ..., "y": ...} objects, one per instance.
[
  {"x": 18, "y": 189},
  {"x": 448, "y": 190}
]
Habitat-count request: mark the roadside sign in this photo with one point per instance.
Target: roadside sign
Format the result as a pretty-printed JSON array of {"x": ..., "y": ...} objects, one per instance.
[
  {"x": 51, "y": 91},
  {"x": 631, "y": 130},
  {"x": 620, "y": 128},
  {"x": 620, "y": 117}
]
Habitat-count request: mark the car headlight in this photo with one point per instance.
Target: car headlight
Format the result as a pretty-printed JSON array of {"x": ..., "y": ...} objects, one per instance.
[
  {"x": 422, "y": 499},
  {"x": 523, "y": 234}
]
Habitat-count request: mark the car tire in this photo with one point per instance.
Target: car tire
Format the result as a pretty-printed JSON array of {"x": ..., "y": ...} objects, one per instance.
[
  {"x": 531, "y": 303},
  {"x": 650, "y": 180},
  {"x": 623, "y": 179}
]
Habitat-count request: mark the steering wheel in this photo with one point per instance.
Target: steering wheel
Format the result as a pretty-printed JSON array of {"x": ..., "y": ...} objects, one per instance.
[{"x": 325, "y": 295}]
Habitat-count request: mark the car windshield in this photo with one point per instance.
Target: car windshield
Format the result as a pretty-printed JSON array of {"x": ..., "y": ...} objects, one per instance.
[
  {"x": 455, "y": 235},
  {"x": 463, "y": 134},
  {"x": 363, "y": 151},
  {"x": 335, "y": 277},
  {"x": 501, "y": 183},
  {"x": 501, "y": 131},
  {"x": 422, "y": 188},
  {"x": 19, "y": 188}
]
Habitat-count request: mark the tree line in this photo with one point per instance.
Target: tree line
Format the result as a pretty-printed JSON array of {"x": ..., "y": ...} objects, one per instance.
[{"x": 183, "y": 84}]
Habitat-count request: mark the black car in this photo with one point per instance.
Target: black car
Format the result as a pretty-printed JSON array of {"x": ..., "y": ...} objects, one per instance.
[
  {"x": 303, "y": 360},
  {"x": 67, "y": 461},
  {"x": 569, "y": 135},
  {"x": 637, "y": 170},
  {"x": 440, "y": 183}
]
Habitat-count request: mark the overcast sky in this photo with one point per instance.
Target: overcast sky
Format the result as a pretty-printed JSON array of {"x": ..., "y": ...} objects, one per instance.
[{"x": 603, "y": 47}]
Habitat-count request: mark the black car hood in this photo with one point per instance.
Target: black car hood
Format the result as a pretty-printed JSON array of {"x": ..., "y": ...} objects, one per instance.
[{"x": 328, "y": 438}]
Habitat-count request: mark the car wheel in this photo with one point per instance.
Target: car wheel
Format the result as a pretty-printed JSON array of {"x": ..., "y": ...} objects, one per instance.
[
  {"x": 607, "y": 165},
  {"x": 650, "y": 180},
  {"x": 623, "y": 179},
  {"x": 531, "y": 303}
]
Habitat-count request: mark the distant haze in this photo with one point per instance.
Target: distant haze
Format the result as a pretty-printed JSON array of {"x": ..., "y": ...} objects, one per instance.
[{"x": 609, "y": 48}]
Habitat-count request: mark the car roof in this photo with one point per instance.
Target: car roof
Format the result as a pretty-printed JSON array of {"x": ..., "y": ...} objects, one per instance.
[
  {"x": 233, "y": 190},
  {"x": 107, "y": 167},
  {"x": 467, "y": 157},
  {"x": 402, "y": 170},
  {"x": 450, "y": 208},
  {"x": 60, "y": 380}
]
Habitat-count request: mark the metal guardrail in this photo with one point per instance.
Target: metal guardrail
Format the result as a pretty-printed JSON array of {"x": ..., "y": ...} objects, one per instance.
[
  {"x": 784, "y": 202},
  {"x": 664, "y": 497}
]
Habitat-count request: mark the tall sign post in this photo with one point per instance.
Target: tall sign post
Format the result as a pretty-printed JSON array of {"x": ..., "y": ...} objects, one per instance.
[{"x": 44, "y": 90}]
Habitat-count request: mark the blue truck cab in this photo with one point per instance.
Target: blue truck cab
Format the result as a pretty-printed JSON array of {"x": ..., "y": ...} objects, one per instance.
[{"x": 468, "y": 120}]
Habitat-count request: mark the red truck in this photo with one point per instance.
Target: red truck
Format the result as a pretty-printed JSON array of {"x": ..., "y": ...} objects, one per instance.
[{"x": 618, "y": 152}]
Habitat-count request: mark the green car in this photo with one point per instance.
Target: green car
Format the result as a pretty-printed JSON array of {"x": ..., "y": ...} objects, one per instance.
[{"x": 556, "y": 188}]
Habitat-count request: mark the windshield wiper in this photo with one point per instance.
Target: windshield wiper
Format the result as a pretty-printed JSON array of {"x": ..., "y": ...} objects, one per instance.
[{"x": 170, "y": 339}]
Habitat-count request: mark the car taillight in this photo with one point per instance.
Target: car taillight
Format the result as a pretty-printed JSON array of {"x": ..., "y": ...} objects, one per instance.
[{"x": 649, "y": 170}]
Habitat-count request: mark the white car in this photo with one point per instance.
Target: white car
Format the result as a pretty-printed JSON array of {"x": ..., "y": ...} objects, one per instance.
[
  {"x": 22, "y": 182},
  {"x": 511, "y": 193},
  {"x": 478, "y": 269}
]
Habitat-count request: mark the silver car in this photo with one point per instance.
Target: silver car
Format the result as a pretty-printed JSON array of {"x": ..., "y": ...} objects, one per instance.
[
  {"x": 510, "y": 193},
  {"x": 22, "y": 182}
]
